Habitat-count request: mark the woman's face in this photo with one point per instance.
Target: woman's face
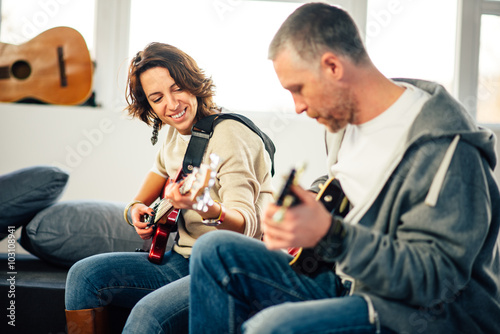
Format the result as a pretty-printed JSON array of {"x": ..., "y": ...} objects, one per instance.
[{"x": 174, "y": 106}]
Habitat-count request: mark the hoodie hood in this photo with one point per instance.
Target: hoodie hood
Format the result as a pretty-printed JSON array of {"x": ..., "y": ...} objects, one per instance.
[{"x": 443, "y": 116}]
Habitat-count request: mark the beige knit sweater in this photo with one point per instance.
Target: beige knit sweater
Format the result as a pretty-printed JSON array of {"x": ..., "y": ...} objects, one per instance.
[{"x": 243, "y": 181}]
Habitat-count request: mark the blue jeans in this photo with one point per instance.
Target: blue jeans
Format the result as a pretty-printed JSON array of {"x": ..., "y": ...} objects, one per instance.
[
  {"x": 157, "y": 294},
  {"x": 238, "y": 286}
]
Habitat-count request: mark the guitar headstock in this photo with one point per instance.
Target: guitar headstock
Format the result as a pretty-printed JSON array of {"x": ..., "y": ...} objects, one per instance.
[{"x": 286, "y": 198}]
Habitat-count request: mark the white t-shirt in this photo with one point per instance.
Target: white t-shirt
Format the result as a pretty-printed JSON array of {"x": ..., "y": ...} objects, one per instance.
[{"x": 368, "y": 149}]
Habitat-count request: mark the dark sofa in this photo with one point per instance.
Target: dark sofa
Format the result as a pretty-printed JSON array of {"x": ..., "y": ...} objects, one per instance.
[
  {"x": 38, "y": 295},
  {"x": 55, "y": 234}
]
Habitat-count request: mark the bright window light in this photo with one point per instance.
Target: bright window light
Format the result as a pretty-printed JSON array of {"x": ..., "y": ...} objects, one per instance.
[
  {"x": 413, "y": 39},
  {"x": 488, "y": 92},
  {"x": 229, "y": 41},
  {"x": 23, "y": 20}
]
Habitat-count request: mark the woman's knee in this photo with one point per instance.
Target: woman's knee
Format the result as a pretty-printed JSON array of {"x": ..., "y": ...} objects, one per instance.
[
  {"x": 87, "y": 276},
  {"x": 85, "y": 269},
  {"x": 80, "y": 283}
]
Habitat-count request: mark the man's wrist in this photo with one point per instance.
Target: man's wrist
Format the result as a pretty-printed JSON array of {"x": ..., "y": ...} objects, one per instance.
[{"x": 332, "y": 244}]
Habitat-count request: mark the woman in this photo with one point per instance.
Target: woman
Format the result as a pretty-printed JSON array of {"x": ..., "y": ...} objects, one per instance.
[{"x": 166, "y": 87}]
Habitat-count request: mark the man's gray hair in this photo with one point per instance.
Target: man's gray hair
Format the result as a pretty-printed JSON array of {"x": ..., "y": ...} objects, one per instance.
[{"x": 315, "y": 28}]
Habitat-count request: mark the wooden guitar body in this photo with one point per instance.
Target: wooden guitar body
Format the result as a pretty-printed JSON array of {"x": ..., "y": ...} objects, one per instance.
[{"x": 54, "y": 67}]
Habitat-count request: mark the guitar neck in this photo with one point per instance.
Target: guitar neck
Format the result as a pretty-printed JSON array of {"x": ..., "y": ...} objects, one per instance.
[{"x": 163, "y": 208}]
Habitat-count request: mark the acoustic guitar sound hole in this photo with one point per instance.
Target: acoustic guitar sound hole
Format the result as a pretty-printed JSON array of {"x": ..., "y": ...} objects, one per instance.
[{"x": 21, "y": 69}]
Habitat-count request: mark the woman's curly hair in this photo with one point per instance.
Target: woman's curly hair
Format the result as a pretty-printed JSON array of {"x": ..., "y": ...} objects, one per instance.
[{"x": 182, "y": 68}]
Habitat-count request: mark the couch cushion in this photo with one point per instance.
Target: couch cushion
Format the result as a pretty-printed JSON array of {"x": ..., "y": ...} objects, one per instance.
[
  {"x": 37, "y": 289},
  {"x": 24, "y": 192},
  {"x": 72, "y": 230}
]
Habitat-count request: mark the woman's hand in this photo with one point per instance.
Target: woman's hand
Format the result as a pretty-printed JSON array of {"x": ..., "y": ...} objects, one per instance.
[
  {"x": 179, "y": 201},
  {"x": 303, "y": 225},
  {"x": 137, "y": 212}
]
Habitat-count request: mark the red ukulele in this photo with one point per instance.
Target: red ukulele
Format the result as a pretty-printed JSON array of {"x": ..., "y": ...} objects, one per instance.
[{"x": 165, "y": 216}]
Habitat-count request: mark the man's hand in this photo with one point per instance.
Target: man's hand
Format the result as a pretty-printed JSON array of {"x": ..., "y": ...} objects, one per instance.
[{"x": 303, "y": 225}]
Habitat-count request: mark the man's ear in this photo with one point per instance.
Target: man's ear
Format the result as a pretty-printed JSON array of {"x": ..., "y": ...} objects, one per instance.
[{"x": 332, "y": 65}]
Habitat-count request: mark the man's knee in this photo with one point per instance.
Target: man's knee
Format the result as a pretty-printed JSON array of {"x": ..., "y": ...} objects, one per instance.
[
  {"x": 210, "y": 243},
  {"x": 208, "y": 240},
  {"x": 268, "y": 321},
  {"x": 220, "y": 249}
]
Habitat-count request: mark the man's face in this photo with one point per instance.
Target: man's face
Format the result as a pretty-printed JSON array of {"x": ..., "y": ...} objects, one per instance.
[{"x": 315, "y": 92}]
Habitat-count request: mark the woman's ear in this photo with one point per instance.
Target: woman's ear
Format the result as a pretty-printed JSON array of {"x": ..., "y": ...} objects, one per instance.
[{"x": 332, "y": 65}]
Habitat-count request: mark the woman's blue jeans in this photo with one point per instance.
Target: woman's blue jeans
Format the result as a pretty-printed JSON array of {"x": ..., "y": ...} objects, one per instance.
[
  {"x": 157, "y": 294},
  {"x": 238, "y": 286}
]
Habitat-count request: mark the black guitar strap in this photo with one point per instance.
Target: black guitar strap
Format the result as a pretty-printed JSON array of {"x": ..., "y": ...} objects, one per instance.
[{"x": 202, "y": 132}]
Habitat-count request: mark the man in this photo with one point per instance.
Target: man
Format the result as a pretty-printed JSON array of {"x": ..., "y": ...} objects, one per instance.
[{"x": 418, "y": 251}]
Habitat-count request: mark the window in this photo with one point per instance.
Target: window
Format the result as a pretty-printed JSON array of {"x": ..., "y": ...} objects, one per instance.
[
  {"x": 23, "y": 20},
  {"x": 228, "y": 39},
  {"x": 488, "y": 90},
  {"x": 36, "y": 67},
  {"x": 402, "y": 45},
  {"x": 477, "y": 75}
]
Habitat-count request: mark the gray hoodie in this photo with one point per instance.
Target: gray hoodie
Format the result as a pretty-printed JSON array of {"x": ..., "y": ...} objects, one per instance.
[{"x": 424, "y": 251}]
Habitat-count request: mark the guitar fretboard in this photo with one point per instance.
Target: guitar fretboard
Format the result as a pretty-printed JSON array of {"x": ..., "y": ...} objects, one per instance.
[
  {"x": 164, "y": 207},
  {"x": 165, "y": 204}
]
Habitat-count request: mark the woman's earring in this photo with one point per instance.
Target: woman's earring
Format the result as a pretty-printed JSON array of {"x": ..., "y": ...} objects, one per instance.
[{"x": 156, "y": 127}]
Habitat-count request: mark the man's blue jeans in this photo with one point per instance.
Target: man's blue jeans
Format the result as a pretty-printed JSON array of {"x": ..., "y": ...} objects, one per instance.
[
  {"x": 238, "y": 286},
  {"x": 159, "y": 294}
]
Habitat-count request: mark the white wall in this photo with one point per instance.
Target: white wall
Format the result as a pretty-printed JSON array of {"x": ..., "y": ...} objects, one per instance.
[{"x": 107, "y": 154}]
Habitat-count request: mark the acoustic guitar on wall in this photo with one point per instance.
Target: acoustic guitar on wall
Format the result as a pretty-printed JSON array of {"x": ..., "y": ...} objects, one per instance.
[{"x": 54, "y": 67}]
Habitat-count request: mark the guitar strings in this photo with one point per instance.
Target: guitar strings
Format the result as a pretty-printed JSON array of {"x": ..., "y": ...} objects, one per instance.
[{"x": 166, "y": 205}]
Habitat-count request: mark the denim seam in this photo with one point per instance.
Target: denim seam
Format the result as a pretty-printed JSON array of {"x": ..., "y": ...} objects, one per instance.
[
  {"x": 344, "y": 329},
  {"x": 174, "y": 314},
  {"x": 100, "y": 291},
  {"x": 235, "y": 271},
  {"x": 230, "y": 304}
]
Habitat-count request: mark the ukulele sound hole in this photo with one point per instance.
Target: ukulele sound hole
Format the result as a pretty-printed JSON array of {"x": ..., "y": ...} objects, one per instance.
[{"x": 21, "y": 69}]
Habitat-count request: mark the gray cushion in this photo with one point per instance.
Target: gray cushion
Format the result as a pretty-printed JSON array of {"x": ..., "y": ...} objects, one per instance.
[
  {"x": 24, "y": 192},
  {"x": 72, "y": 230}
]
